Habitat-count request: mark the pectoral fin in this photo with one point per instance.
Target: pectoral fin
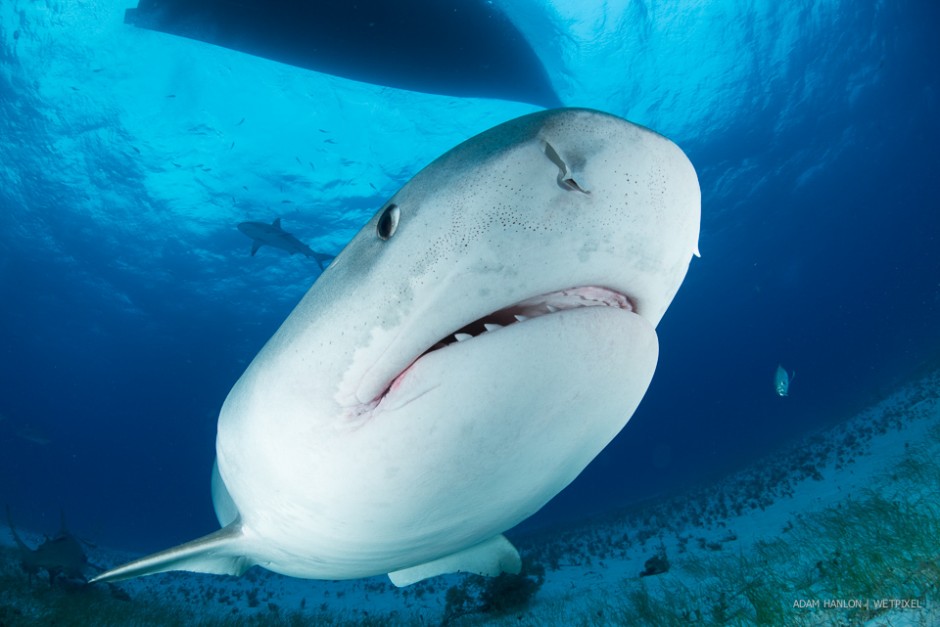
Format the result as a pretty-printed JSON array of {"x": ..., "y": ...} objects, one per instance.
[
  {"x": 492, "y": 557},
  {"x": 220, "y": 553}
]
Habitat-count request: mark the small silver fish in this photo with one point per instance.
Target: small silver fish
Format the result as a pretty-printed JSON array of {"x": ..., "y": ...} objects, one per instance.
[{"x": 782, "y": 381}]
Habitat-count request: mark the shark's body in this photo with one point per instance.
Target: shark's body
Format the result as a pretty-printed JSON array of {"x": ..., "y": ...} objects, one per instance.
[
  {"x": 472, "y": 349},
  {"x": 273, "y": 235}
]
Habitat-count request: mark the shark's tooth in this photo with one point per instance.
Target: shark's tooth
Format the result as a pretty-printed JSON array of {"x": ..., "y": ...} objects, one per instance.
[
  {"x": 462, "y": 336},
  {"x": 492, "y": 327},
  {"x": 551, "y": 308},
  {"x": 520, "y": 318}
]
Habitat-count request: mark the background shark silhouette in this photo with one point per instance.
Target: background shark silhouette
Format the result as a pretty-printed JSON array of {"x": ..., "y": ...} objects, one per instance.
[
  {"x": 273, "y": 235},
  {"x": 61, "y": 556}
]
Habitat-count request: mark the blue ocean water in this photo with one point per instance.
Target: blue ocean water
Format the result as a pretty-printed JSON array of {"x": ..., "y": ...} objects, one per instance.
[{"x": 129, "y": 303}]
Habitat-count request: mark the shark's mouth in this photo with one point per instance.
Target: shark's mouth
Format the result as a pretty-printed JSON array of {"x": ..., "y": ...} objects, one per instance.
[{"x": 545, "y": 304}]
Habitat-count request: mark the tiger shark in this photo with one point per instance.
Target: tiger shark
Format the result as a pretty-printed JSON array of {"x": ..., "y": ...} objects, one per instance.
[{"x": 482, "y": 338}]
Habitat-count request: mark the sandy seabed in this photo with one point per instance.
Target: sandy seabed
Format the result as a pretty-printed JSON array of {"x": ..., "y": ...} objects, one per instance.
[{"x": 842, "y": 528}]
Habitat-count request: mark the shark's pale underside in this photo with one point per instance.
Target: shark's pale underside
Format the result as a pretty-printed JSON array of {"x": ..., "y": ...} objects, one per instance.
[{"x": 471, "y": 350}]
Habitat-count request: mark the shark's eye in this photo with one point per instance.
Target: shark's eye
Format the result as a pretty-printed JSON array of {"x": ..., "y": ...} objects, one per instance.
[{"x": 388, "y": 222}]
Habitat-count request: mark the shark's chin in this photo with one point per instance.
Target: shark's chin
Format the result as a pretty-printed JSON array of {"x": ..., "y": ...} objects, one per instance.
[{"x": 515, "y": 315}]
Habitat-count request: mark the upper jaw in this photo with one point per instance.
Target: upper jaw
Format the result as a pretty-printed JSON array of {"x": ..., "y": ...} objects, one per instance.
[{"x": 543, "y": 304}]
